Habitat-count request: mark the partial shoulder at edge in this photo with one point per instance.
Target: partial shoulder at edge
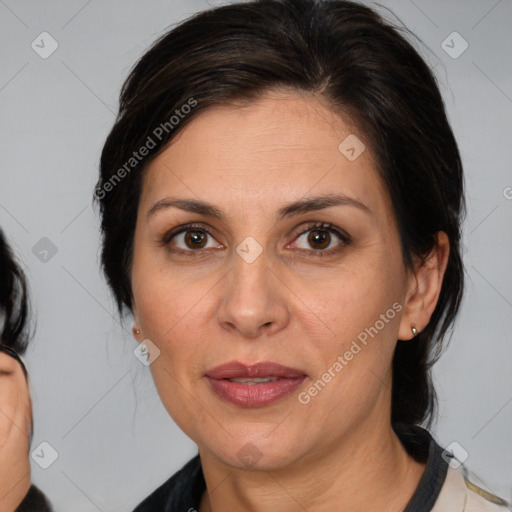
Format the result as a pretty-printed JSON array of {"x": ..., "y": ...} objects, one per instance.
[
  {"x": 460, "y": 494},
  {"x": 480, "y": 499},
  {"x": 161, "y": 498}
]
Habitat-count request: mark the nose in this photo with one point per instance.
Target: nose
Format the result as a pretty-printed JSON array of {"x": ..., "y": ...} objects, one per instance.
[{"x": 253, "y": 299}]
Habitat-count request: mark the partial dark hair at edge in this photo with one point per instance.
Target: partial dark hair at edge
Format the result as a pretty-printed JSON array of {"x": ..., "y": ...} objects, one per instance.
[
  {"x": 350, "y": 56},
  {"x": 14, "y": 304}
]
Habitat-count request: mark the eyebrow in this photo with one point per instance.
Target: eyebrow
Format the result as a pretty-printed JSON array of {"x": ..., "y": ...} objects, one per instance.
[{"x": 311, "y": 204}]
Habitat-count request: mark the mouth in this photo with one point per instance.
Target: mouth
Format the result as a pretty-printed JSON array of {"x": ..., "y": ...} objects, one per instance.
[{"x": 256, "y": 385}]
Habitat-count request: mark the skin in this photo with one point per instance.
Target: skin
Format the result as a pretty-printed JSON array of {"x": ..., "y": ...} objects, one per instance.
[
  {"x": 15, "y": 425},
  {"x": 337, "y": 452}
]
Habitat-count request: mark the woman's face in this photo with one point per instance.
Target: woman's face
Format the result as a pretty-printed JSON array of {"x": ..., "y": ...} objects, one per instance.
[{"x": 267, "y": 284}]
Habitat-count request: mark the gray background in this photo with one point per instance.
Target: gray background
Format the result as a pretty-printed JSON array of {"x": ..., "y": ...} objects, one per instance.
[{"x": 93, "y": 401}]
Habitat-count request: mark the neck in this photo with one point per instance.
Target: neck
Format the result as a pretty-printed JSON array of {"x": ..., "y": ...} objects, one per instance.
[{"x": 368, "y": 465}]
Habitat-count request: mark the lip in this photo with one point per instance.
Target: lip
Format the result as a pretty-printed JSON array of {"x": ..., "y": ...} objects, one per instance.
[
  {"x": 254, "y": 395},
  {"x": 235, "y": 369}
]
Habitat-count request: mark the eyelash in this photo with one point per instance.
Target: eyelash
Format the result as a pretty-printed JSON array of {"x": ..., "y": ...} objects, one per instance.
[{"x": 321, "y": 226}]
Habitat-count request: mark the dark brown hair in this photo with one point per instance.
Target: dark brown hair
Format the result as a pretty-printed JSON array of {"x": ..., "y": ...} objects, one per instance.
[{"x": 357, "y": 61}]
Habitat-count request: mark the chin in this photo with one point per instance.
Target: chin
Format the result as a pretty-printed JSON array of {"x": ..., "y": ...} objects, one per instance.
[{"x": 258, "y": 453}]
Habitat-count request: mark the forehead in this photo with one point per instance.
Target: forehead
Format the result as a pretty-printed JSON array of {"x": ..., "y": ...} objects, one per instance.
[{"x": 284, "y": 144}]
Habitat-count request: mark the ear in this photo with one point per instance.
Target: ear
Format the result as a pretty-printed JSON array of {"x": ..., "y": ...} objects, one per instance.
[{"x": 423, "y": 288}]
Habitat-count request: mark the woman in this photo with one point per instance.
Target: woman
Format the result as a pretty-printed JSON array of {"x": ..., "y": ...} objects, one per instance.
[
  {"x": 16, "y": 424},
  {"x": 281, "y": 200}
]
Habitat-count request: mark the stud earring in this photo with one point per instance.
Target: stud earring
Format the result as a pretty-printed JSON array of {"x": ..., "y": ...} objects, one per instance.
[
  {"x": 136, "y": 331},
  {"x": 414, "y": 331}
]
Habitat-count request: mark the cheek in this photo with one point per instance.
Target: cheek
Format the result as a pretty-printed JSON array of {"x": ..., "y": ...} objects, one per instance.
[
  {"x": 355, "y": 300},
  {"x": 172, "y": 314},
  {"x": 165, "y": 299},
  {"x": 362, "y": 310},
  {"x": 169, "y": 316},
  {"x": 354, "y": 375}
]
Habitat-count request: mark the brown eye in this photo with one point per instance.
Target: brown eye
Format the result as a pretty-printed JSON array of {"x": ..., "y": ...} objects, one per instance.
[
  {"x": 320, "y": 239},
  {"x": 195, "y": 239},
  {"x": 190, "y": 240}
]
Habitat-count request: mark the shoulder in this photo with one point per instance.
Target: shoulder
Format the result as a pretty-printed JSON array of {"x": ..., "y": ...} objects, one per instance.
[
  {"x": 180, "y": 492},
  {"x": 460, "y": 492},
  {"x": 481, "y": 499},
  {"x": 447, "y": 485}
]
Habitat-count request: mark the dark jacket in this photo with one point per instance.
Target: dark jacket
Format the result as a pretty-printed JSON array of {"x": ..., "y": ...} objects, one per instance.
[{"x": 34, "y": 501}]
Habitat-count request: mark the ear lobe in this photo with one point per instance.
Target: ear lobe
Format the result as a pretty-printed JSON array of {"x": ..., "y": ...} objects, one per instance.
[{"x": 424, "y": 287}]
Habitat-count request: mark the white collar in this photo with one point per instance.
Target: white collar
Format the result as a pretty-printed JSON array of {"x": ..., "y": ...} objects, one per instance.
[{"x": 460, "y": 494}]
